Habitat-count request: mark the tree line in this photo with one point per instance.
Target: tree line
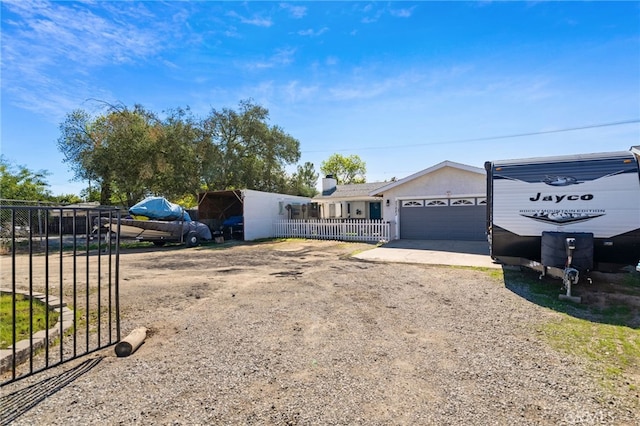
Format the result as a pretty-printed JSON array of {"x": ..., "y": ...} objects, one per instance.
[{"x": 127, "y": 154}]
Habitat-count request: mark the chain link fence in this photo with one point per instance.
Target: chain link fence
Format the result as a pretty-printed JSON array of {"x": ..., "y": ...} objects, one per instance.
[
  {"x": 22, "y": 218},
  {"x": 23, "y": 222}
]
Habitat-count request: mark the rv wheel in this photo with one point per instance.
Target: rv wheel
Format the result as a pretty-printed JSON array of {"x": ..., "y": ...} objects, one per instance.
[{"x": 192, "y": 239}]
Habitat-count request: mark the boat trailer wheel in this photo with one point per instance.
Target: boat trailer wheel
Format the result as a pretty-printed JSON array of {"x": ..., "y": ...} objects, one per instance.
[{"x": 192, "y": 239}]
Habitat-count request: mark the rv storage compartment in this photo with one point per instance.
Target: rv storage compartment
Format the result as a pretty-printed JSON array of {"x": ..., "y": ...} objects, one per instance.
[{"x": 554, "y": 250}]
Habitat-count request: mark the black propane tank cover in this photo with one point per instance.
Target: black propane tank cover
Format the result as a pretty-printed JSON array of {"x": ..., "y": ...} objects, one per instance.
[{"x": 554, "y": 250}]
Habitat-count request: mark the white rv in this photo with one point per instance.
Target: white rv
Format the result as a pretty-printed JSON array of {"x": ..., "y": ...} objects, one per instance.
[{"x": 578, "y": 212}]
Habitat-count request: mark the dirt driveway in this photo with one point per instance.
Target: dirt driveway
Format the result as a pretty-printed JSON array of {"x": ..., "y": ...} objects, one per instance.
[{"x": 300, "y": 332}]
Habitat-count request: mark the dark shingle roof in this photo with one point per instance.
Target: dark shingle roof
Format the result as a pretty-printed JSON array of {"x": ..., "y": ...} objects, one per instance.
[{"x": 352, "y": 190}]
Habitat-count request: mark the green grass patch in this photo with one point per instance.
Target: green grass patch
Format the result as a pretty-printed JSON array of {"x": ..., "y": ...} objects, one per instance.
[
  {"x": 605, "y": 334},
  {"x": 632, "y": 280},
  {"x": 495, "y": 274},
  {"x": 613, "y": 350},
  {"x": 543, "y": 292},
  {"x": 23, "y": 328}
]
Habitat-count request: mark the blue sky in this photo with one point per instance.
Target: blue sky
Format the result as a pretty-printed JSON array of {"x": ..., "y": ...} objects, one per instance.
[{"x": 404, "y": 85}]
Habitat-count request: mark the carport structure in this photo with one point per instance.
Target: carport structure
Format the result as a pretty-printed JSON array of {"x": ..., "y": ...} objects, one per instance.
[
  {"x": 256, "y": 211},
  {"x": 214, "y": 207}
]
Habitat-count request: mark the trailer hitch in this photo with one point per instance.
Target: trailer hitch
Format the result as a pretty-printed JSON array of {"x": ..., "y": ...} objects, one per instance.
[{"x": 571, "y": 275}]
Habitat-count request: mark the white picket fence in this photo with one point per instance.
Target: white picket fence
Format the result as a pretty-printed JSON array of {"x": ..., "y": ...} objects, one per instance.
[{"x": 333, "y": 229}]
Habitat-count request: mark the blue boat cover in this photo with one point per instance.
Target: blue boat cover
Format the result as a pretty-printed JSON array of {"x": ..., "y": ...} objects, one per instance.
[{"x": 159, "y": 208}]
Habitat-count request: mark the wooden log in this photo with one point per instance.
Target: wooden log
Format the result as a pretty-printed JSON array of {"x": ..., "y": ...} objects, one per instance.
[{"x": 129, "y": 344}]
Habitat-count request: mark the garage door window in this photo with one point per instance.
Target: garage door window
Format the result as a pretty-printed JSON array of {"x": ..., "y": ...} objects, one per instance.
[
  {"x": 463, "y": 202},
  {"x": 412, "y": 203},
  {"x": 436, "y": 203}
]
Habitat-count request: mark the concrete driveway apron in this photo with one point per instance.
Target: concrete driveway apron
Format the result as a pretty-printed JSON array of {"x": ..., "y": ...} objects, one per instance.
[{"x": 430, "y": 252}]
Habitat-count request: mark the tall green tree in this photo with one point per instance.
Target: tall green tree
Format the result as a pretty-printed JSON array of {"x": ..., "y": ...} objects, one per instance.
[
  {"x": 77, "y": 143},
  {"x": 304, "y": 180},
  {"x": 345, "y": 170},
  {"x": 131, "y": 153},
  {"x": 241, "y": 150},
  {"x": 20, "y": 183},
  {"x": 114, "y": 150},
  {"x": 90, "y": 193},
  {"x": 128, "y": 144},
  {"x": 176, "y": 159}
]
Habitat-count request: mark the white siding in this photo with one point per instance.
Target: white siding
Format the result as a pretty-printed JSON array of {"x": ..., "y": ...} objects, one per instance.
[
  {"x": 358, "y": 210},
  {"x": 335, "y": 210},
  {"x": 262, "y": 209},
  {"x": 445, "y": 182}
]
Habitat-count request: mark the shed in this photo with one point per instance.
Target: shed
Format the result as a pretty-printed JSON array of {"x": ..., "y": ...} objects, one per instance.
[{"x": 251, "y": 214}]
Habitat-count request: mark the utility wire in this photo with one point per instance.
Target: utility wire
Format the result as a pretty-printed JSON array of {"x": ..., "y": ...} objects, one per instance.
[{"x": 489, "y": 138}]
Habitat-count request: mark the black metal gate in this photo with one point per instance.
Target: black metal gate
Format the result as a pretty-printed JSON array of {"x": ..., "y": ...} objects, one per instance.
[{"x": 58, "y": 284}]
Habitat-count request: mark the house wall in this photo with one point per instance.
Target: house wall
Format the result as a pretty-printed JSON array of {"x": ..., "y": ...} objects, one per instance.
[
  {"x": 262, "y": 209},
  {"x": 359, "y": 210},
  {"x": 333, "y": 210},
  {"x": 342, "y": 210},
  {"x": 447, "y": 181}
]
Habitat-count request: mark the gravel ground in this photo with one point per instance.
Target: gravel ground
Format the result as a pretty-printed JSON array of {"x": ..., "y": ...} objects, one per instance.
[{"x": 299, "y": 333}]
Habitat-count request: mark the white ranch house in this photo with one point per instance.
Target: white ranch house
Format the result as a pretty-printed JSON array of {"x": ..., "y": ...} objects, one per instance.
[{"x": 445, "y": 201}]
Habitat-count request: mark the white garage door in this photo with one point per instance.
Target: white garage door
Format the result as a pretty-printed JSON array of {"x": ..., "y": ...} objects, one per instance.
[{"x": 461, "y": 219}]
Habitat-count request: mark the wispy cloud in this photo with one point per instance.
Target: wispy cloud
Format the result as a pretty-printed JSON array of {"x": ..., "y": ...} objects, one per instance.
[
  {"x": 281, "y": 57},
  {"x": 469, "y": 82},
  {"x": 296, "y": 12},
  {"x": 60, "y": 31},
  {"x": 358, "y": 85},
  {"x": 372, "y": 14},
  {"x": 232, "y": 32},
  {"x": 295, "y": 91},
  {"x": 402, "y": 13},
  {"x": 313, "y": 33},
  {"x": 270, "y": 92},
  {"x": 257, "y": 21},
  {"x": 73, "y": 40},
  {"x": 367, "y": 84},
  {"x": 361, "y": 91},
  {"x": 531, "y": 88}
]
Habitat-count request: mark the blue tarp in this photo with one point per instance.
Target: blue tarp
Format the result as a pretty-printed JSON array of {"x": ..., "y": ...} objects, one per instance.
[
  {"x": 233, "y": 221},
  {"x": 159, "y": 208}
]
